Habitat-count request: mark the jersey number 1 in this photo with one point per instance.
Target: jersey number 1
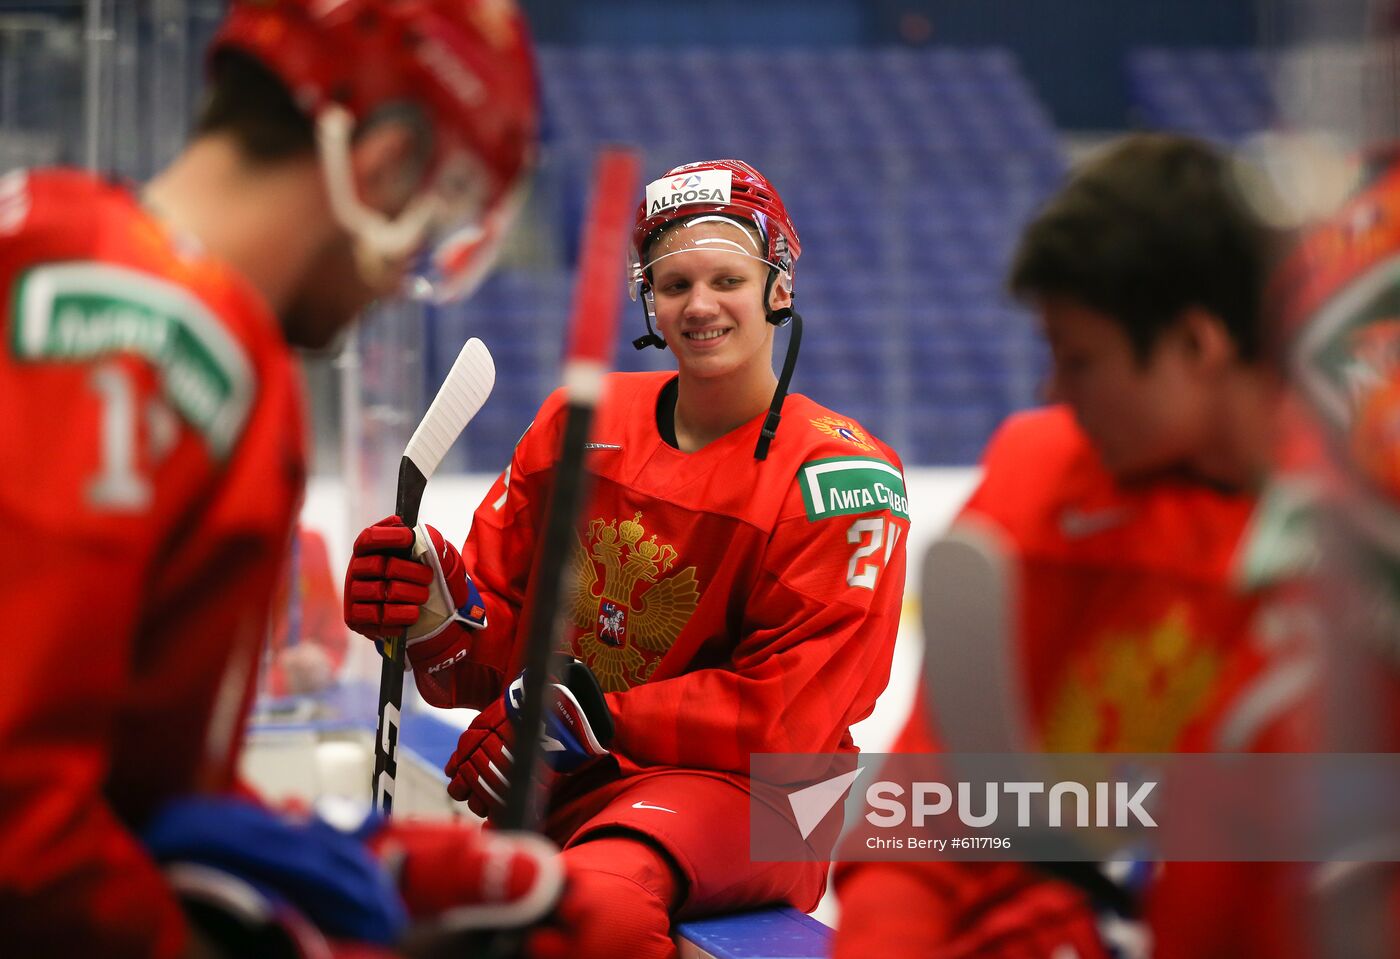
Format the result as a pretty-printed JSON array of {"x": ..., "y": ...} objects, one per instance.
[{"x": 119, "y": 484}]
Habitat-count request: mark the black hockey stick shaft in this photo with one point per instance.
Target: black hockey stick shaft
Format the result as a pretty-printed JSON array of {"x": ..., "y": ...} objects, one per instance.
[
  {"x": 592, "y": 329},
  {"x": 543, "y": 635},
  {"x": 412, "y": 483},
  {"x": 461, "y": 395}
]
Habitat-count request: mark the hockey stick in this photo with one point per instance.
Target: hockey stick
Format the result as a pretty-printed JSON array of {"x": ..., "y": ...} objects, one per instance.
[
  {"x": 592, "y": 330},
  {"x": 976, "y": 697},
  {"x": 969, "y": 600},
  {"x": 461, "y": 395}
]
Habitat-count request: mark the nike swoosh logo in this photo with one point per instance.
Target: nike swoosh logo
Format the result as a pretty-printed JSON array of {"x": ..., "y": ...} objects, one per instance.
[
  {"x": 1078, "y": 523},
  {"x": 601, "y": 446},
  {"x": 646, "y": 805}
]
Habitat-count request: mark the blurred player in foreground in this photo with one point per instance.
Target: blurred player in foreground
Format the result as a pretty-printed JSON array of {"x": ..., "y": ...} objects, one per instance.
[
  {"x": 732, "y": 597},
  {"x": 153, "y": 454},
  {"x": 1325, "y": 676},
  {"x": 1120, "y": 511}
]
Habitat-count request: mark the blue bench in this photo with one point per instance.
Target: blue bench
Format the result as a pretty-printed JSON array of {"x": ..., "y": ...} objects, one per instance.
[{"x": 777, "y": 933}]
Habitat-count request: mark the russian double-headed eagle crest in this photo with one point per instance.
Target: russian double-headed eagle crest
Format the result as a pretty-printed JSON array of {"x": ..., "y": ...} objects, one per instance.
[
  {"x": 628, "y": 611},
  {"x": 1133, "y": 691},
  {"x": 843, "y": 429}
]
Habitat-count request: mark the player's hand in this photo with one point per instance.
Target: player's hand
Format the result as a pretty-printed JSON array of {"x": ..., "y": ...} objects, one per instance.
[
  {"x": 305, "y": 668},
  {"x": 266, "y": 882},
  {"x": 256, "y": 881},
  {"x": 386, "y": 593},
  {"x": 480, "y": 768},
  {"x": 577, "y": 731},
  {"x": 460, "y": 877}
]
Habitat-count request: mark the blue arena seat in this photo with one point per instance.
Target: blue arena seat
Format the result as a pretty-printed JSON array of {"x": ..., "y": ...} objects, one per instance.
[
  {"x": 1221, "y": 95},
  {"x": 908, "y": 172}
]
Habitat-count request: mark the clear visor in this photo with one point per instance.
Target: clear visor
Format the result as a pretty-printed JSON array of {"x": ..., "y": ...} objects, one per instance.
[
  {"x": 703, "y": 232},
  {"x": 463, "y": 234},
  {"x": 447, "y": 235}
]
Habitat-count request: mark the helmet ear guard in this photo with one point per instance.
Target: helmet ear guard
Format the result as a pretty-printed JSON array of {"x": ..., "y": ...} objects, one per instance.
[
  {"x": 378, "y": 239},
  {"x": 639, "y": 288},
  {"x": 782, "y": 314}
]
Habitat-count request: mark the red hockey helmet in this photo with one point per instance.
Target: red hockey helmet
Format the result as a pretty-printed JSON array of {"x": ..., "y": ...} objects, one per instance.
[
  {"x": 465, "y": 65},
  {"x": 732, "y": 189},
  {"x": 724, "y": 187}
]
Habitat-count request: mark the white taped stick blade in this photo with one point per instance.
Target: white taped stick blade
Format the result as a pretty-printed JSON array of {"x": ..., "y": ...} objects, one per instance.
[
  {"x": 466, "y": 388},
  {"x": 969, "y": 598}
]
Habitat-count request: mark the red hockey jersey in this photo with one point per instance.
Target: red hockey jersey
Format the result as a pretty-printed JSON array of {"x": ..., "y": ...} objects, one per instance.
[
  {"x": 728, "y": 606},
  {"x": 151, "y": 466},
  {"x": 1128, "y": 605},
  {"x": 1127, "y": 615}
]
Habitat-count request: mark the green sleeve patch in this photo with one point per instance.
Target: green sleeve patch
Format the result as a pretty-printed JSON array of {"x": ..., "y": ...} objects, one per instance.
[
  {"x": 1281, "y": 541},
  {"x": 80, "y": 310},
  {"x": 842, "y": 485}
]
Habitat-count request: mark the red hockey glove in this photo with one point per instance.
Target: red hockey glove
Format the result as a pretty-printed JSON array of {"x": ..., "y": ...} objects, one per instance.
[
  {"x": 461, "y": 877},
  {"x": 386, "y": 593},
  {"x": 480, "y": 768},
  {"x": 577, "y": 730}
]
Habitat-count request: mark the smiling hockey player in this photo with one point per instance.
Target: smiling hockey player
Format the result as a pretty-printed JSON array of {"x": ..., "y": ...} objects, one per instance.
[{"x": 739, "y": 584}]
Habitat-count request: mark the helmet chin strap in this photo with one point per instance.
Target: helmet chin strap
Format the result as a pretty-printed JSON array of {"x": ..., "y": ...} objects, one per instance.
[
  {"x": 779, "y": 317},
  {"x": 652, "y": 338}
]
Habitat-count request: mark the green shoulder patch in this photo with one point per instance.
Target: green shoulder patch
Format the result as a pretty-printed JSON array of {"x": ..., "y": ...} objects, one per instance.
[
  {"x": 842, "y": 485},
  {"x": 1281, "y": 541},
  {"x": 80, "y": 310}
]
